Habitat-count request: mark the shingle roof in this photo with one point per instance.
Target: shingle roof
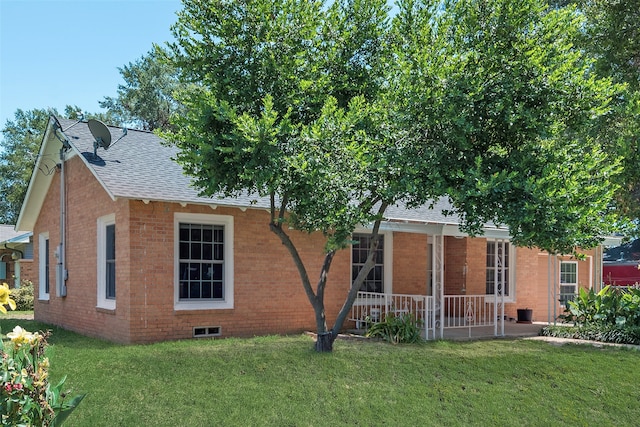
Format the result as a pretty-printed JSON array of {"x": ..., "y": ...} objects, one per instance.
[
  {"x": 140, "y": 166},
  {"x": 7, "y": 232}
]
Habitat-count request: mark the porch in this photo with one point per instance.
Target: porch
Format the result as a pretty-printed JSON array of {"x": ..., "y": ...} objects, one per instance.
[{"x": 457, "y": 317}]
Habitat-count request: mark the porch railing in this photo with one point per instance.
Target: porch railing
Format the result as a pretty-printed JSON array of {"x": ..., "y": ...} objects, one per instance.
[
  {"x": 458, "y": 311},
  {"x": 371, "y": 307},
  {"x": 464, "y": 311}
]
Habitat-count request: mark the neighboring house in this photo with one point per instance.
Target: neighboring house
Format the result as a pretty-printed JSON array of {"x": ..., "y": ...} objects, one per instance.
[
  {"x": 133, "y": 254},
  {"x": 16, "y": 256}
]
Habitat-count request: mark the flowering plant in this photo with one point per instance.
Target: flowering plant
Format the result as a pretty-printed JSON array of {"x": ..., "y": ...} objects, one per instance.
[{"x": 26, "y": 396}]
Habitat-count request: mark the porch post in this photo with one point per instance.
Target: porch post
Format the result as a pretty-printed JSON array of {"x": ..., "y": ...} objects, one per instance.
[
  {"x": 437, "y": 290},
  {"x": 505, "y": 254},
  {"x": 499, "y": 280}
]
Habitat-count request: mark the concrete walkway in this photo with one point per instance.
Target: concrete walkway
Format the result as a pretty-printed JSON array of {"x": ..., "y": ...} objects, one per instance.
[{"x": 525, "y": 331}]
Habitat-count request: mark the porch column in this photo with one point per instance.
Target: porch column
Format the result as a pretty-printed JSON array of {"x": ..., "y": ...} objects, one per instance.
[
  {"x": 437, "y": 290},
  {"x": 500, "y": 281}
]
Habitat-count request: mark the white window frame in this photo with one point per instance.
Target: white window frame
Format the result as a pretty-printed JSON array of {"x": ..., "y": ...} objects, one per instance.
[
  {"x": 43, "y": 257},
  {"x": 206, "y": 219},
  {"x": 561, "y": 283},
  {"x": 511, "y": 297},
  {"x": 102, "y": 300},
  {"x": 387, "y": 257}
]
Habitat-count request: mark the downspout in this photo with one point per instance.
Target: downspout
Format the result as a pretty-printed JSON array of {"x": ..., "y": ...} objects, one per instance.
[{"x": 61, "y": 272}]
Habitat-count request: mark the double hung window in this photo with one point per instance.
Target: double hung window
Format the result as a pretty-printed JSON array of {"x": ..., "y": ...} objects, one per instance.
[
  {"x": 204, "y": 261},
  {"x": 374, "y": 281},
  {"x": 107, "y": 262}
]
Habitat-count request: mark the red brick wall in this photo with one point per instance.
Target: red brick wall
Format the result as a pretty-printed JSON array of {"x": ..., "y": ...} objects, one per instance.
[
  {"x": 532, "y": 282},
  {"x": 86, "y": 201},
  {"x": 410, "y": 263},
  {"x": 268, "y": 294},
  {"x": 455, "y": 260},
  {"x": 29, "y": 271}
]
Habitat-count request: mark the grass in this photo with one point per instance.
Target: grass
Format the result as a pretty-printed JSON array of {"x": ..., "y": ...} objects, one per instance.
[{"x": 281, "y": 381}]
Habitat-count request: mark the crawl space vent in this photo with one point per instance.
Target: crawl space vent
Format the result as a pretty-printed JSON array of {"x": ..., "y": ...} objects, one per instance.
[{"x": 207, "y": 331}]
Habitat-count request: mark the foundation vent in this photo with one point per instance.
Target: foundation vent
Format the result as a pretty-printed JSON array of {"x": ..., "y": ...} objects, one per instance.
[{"x": 207, "y": 331}]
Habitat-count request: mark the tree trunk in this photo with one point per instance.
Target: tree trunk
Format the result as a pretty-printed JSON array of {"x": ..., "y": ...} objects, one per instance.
[{"x": 324, "y": 343}]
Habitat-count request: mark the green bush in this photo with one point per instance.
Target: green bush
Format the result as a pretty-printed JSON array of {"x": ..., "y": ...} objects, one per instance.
[
  {"x": 402, "y": 328},
  {"x": 610, "y": 306},
  {"x": 23, "y": 296},
  {"x": 610, "y": 315},
  {"x": 593, "y": 332}
]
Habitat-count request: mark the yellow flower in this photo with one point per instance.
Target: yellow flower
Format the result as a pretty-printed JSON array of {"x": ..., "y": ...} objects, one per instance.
[
  {"x": 21, "y": 336},
  {"x": 4, "y": 298}
]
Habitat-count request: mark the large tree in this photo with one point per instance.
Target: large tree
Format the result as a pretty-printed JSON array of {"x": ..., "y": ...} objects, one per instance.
[
  {"x": 336, "y": 111},
  {"x": 612, "y": 35},
  {"x": 145, "y": 100}
]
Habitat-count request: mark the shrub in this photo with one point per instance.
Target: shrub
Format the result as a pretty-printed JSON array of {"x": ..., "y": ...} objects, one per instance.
[
  {"x": 402, "y": 328},
  {"x": 603, "y": 333},
  {"x": 609, "y": 306},
  {"x": 23, "y": 296}
]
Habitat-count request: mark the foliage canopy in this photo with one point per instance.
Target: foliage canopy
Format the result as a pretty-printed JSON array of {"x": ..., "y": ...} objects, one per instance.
[{"x": 337, "y": 110}]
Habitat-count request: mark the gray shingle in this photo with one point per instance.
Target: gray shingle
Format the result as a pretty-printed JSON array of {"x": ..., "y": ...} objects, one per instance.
[{"x": 141, "y": 167}]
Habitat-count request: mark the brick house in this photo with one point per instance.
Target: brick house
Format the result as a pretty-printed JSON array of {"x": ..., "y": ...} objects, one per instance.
[
  {"x": 16, "y": 256},
  {"x": 133, "y": 254}
]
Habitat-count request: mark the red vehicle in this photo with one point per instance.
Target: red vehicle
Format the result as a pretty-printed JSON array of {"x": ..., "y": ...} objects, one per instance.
[{"x": 621, "y": 273}]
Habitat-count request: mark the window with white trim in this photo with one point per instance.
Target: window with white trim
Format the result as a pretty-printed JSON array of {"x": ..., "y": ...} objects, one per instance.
[
  {"x": 499, "y": 271},
  {"x": 568, "y": 281},
  {"x": 107, "y": 262},
  {"x": 374, "y": 281},
  {"x": 203, "y": 261},
  {"x": 43, "y": 267}
]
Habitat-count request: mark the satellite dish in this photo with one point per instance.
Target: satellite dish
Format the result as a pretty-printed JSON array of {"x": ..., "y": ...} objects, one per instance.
[{"x": 101, "y": 134}]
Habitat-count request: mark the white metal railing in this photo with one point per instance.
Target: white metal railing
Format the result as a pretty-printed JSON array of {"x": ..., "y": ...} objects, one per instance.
[
  {"x": 458, "y": 311},
  {"x": 464, "y": 311},
  {"x": 372, "y": 307}
]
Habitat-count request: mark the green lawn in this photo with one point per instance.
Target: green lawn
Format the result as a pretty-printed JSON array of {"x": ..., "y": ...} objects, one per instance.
[{"x": 281, "y": 381}]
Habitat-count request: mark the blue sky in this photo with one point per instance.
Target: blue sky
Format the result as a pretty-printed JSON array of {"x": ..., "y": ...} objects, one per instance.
[{"x": 55, "y": 53}]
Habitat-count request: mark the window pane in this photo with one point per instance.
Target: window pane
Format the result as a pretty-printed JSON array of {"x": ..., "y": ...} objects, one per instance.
[
  {"x": 111, "y": 241},
  {"x": 184, "y": 232},
  {"x": 194, "y": 290},
  {"x": 184, "y": 290},
  {"x": 207, "y": 234},
  {"x": 217, "y": 272},
  {"x": 207, "y": 290},
  {"x": 218, "y": 290},
  {"x": 207, "y": 251},
  {"x": 196, "y": 252},
  {"x": 111, "y": 280},
  {"x": 46, "y": 266},
  {"x": 184, "y": 251}
]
